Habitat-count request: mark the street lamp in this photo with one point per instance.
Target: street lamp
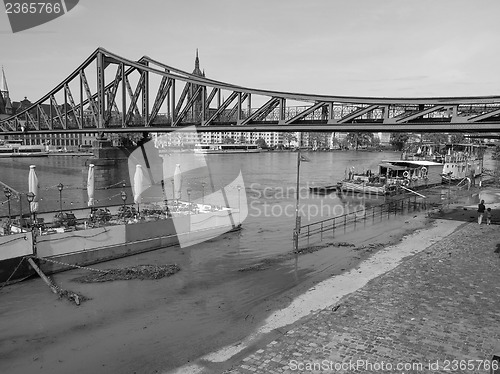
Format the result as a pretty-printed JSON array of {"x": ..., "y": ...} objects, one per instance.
[
  {"x": 173, "y": 189},
  {"x": 449, "y": 186},
  {"x": 8, "y": 194},
  {"x": 60, "y": 187},
  {"x": 188, "y": 190},
  {"x": 31, "y": 197},
  {"x": 123, "y": 195},
  {"x": 203, "y": 192}
]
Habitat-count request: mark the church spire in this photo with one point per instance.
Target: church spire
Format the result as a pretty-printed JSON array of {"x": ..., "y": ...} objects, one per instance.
[
  {"x": 197, "y": 61},
  {"x": 197, "y": 70},
  {"x": 4, "y": 89}
]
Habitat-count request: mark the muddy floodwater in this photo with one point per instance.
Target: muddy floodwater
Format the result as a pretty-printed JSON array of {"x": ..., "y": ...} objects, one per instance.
[{"x": 216, "y": 299}]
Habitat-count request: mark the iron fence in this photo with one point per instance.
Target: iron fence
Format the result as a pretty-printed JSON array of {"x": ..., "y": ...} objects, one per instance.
[{"x": 328, "y": 228}]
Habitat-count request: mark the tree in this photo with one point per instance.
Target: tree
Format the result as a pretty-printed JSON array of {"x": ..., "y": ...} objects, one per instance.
[
  {"x": 335, "y": 142},
  {"x": 359, "y": 138},
  {"x": 457, "y": 138},
  {"x": 398, "y": 140},
  {"x": 261, "y": 143},
  {"x": 228, "y": 140},
  {"x": 435, "y": 137},
  {"x": 318, "y": 140},
  {"x": 289, "y": 137},
  {"x": 344, "y": 144}
]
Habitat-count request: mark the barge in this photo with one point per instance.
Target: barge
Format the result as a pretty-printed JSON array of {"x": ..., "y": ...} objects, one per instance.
[
  {"x": 59, "y": 246},
  {"x": 458, "y": 161},
  {"x": 392, "y": 175}
]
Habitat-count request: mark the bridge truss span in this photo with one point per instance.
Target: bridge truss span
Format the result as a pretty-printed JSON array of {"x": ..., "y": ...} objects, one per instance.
[{"x": 109, "y": 93}]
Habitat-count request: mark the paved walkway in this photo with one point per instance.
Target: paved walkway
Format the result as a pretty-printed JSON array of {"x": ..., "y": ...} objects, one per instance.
[{"x": 437, "y": 312}]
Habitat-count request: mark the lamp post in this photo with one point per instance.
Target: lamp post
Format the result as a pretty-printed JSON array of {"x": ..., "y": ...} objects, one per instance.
[
  {"x": 8, "y": 194},
  {"x": 30, "y": 196},
  {"x": 60, "y": 187},
  {"x": 296, "y": 231},
  {"x": 203, "y": 192},
  {"x": 123, "y": 195},
  {"x": 188, "y": 190},
  {"x": 173, "y": 189},
  {"x": 449, "y": 186}
]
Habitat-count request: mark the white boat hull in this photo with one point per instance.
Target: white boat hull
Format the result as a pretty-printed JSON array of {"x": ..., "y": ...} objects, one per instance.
[
  {"x": 213, "y": 151},
  {"x": 365, "y": 188}
]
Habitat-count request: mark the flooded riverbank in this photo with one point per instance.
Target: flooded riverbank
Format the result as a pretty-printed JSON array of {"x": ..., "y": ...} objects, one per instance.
[
  {"x": 163, "y": 324},
  {"x": 142, "y": 326}
]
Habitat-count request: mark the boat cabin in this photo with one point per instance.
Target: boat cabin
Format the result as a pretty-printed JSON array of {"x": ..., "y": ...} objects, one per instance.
[{"x": 412, "y": 174}]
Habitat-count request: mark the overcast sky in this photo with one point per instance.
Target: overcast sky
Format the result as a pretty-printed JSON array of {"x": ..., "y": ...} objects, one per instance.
[{"x": 382, "y": 48}]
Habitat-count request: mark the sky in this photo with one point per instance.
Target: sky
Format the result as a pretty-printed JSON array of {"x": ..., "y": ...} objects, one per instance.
[{"x": 375, "y": 48}]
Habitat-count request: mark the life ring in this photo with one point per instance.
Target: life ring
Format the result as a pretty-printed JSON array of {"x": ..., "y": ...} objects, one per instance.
[
  {"x": 406, "y": 182},
  {"x": 423, "y": 171},
  {"x": 406, "y": 174}
]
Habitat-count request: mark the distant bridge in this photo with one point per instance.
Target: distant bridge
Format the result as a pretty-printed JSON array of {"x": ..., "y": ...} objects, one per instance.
[{"x": 109, "y": 93}]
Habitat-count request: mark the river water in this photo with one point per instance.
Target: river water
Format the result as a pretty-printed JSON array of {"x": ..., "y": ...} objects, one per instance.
[
  {"x": 269, "y": 180},
  {"x": 209, "y": 303}
]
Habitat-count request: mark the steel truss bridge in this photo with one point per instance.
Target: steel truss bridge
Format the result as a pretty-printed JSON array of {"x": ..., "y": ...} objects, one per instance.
[{"x": 109, "y": 93}]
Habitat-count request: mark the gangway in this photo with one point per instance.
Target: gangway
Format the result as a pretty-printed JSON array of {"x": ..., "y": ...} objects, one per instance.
[{"x": 416, "y": 193}]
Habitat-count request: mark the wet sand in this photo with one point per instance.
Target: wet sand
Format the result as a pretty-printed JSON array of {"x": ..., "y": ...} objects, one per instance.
[{"x": 133, "y": 326}]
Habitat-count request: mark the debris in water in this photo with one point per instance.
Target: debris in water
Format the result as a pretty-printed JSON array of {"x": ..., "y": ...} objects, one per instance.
[
  {"x": 313, "y": 248},
  {"x": 71, "y": 296},
  {"x": 343, "y": 244},
  {"x": 136, "y": 272},
  {"x": 264, "y": 264}
]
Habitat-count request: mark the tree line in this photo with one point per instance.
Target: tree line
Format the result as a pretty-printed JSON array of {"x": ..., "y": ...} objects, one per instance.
[{"x": 356, "y": 140}]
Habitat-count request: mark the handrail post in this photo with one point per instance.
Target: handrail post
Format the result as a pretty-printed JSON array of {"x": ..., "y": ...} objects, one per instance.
[
  {"x": 321, "y": 233},
  {"x": 333, "y": 228}
]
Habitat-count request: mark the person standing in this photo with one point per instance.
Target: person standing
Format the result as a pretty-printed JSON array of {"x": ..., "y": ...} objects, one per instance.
[
  {"x": 488, "y": 216},
  {"x": 480, "y": 211}
]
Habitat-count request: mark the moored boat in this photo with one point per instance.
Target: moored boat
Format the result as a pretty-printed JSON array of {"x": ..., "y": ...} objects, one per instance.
[
  {"x": 226, "y": 148},
  {"x": 458, "y": 161},
  {"x": 15, "y": 148},
  {"x": 322, "y": 190},
  {"x": 393, "y": 175},
  {"x": 104, "y": 235}
]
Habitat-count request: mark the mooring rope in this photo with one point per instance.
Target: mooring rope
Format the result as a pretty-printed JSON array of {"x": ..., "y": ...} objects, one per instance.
[
  {"x": 72, "y": 265},
  {"x": 17, "y": 267}
]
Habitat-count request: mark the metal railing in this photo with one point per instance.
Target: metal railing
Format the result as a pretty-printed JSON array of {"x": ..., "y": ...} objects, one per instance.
[{"x": 328, "y": 228}]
